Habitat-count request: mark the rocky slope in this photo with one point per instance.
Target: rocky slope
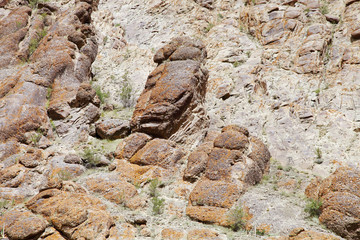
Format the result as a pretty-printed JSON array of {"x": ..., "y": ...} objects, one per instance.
[{"x": 160, "y": 119}]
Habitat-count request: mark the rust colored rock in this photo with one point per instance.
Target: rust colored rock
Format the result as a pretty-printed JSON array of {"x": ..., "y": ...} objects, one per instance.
[
  {"x": 220, "y": 162},
  {"x": 181, "y": 48},
  {"x": 214, "y": 193},
  {"x": 207, "y": 214},
  {"x": 3, "y": 3},
  {"x": 340, "y": 194},
  {"x": 202, "y": 234},
  {"x": 196, "y": 165},
  {"x": 12, "y": 176},
  {"x": 158, "y": 152},
  {"x": 260, "y": 154},
  {"x": 232, "y": 140},
  {"x": 32, "y": 159},
  {"x": 302, "y": 234},
  {"x": 112, "y": 129},
  {"x": 131, "y": 145},
  {"x": 172, "y": 234},
  {"x": 117, "y": 191},
  {"x": 19, "y": 224},
  {"x": 174, "y": 92},
  {"x": 230, "y": 161},
  {"x": 85, "y": 94},
  {"x": 74, "y": 215}
]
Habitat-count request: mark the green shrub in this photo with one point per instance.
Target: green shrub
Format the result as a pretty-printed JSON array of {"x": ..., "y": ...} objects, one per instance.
[
  {"x": 90, "y": 157},
  {"x": 236, "y": 217},
  {"x": 158, "y": 205},
  {"x": 126, "y": 91},
  {"x": 209, "y": 27},
  {"x": 154, "y": 183},
  {"x": 102, "y": 95},
  {"x": 313, "y": 207}
]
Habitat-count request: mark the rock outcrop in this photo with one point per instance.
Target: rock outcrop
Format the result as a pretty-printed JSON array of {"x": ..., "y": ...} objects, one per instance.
[
  {"x": 340, "y": 195},
  {"x": 171, "y": 104},
  {"x": 224, "y": 167}
]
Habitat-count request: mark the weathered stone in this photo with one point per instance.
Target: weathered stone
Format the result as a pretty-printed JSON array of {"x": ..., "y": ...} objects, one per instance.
[
  {"x": 112, "y": 129},
  {"x": 73, "y": 159},
  {"x": 158, "y": 152},
  {"x": 174, "y": 92},
  {"x": 133, "y": 143},
  {"x": 85, "y": 94},
  {"x": 202, "y": 234},
  {"x": 181, "y": 48},
  {"x": 207, "y": 214},
  {"x": 302, "y": 234},
  {"x": 220, "y": 162},
  {"x": 32, "y": 159},
  {"x": 231, "y": 140},
  {"x": 206, "y": 3},
  {"x": 172, "y": 234},
  {"x": 117, "y": 191},
  {"x": 20, "y": 224},
  {"x": 340, "y": 194},
  {"x": 196, "y": 165},
  {"x": 214, "y": 193},
  {"x": 75, "y": 215}
]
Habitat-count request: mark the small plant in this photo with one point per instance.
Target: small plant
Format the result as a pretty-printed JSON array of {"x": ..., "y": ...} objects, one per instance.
[
  {"x": 102, "y": 95},
  {"x": 3, "y": 231},
  {"x": 318, "y": 153},
  {"x": 34, "y": 3},
  {"x": 236, "y": 64},
  {"x": 34, "y": 42},
  {"x": 154, "y": 184},
  {"x": 35, "y": 137},
  {"x": 158, "y": 205},
  {"x": 236, "y": 218},
  {"x": 90, "y": 157},
  {"x": 64, "y": 175},
  {"x": 126, "y": 91},
  {"x": 317, "y": 91},
  {"x": 313, "y": 207},
  {"x": 220, "y": 16},
  {"x": 209, "y": 27},
  {"x": 307, "y": 10},
  {"x": 105, "y": 39},
  {"x": 260, "y": 232},
  {"x": 324, "y": 9}
]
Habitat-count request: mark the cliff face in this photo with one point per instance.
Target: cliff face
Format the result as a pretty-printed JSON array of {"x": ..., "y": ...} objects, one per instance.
[{"x": 160, "y": 119}]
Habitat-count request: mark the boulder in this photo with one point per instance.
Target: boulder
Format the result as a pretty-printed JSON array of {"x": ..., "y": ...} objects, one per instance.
[
  {"x": 74, "y": 215},
  {"x": 302, "y": 234},
  {"x": 340, "y": 194},
  {"x": 22, "y": 224},
  {"x": 112, "y": 129},
  {"x": 227, "y": 164},
  {"x": 174, "y": 92}
]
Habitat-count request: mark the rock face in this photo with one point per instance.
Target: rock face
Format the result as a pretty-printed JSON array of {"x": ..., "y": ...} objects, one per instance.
[
  {"x": 340, "y": 194},
  {"x": 173, "y": 98},
  {"x": 74, "y": 215},
  {"x": 301, "y": 233},
  {"x": 225, "y": 167}
]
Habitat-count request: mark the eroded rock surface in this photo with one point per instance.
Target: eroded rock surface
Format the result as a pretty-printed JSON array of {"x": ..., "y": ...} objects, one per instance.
[
  {"x": 173, "y": 98},
  {"x": 225, "y": 167},
  {"x": 340, "y": 194}
]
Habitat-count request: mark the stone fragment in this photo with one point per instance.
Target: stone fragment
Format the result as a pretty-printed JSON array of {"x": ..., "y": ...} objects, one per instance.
[
  {"x": 302, "y": 234},
  {"x": 196, "y": 165},
  {"x": 159, "y": 152},
  {"x": 332, "y": 18},
  {"x": 112, "y": 129},
  {"x": 172, "y": 234},
  {"x": 133, "y": 143},
  {"x": 202, "y": 234},
  {"x": 21, "y": 224},
  {"x": 74, "y": 215},
  {"x": 73, "y": 159}
]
